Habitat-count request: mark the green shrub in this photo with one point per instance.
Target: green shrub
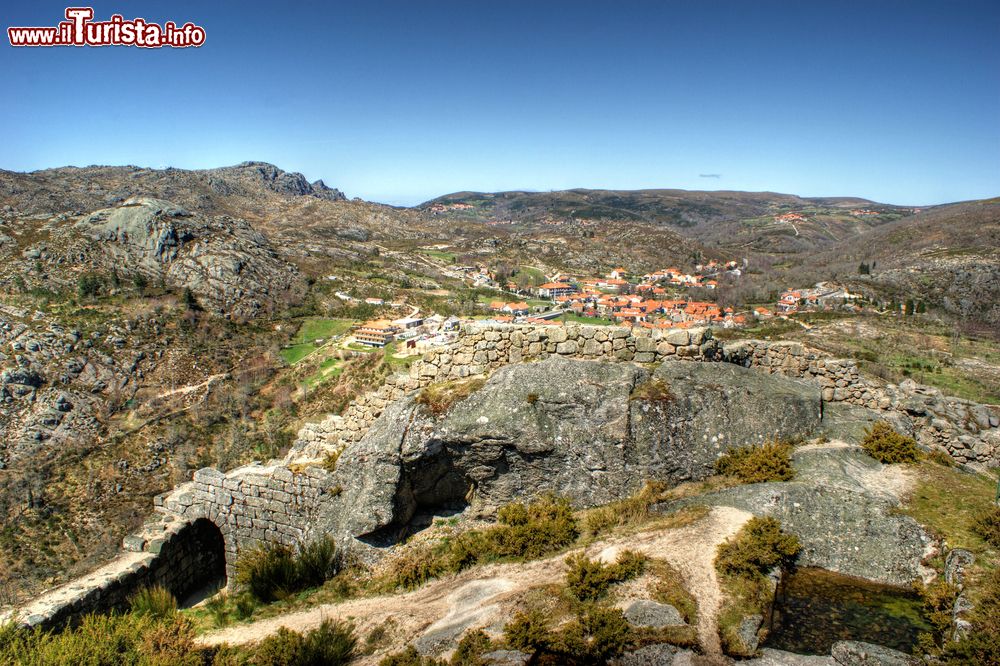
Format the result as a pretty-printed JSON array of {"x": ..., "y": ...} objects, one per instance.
[
  {"x": 524, "y": 531},
  {"x": 156, "y": 601},
  {"x": 759, "y": 546},
  {"x": 317, "y": 563},
  {"x": 417, "y": 566},
  {"x": 270, "y": 572},
  {"x": 528, "y": 631},
  {"x": 330, "y": 644},
  {"x": 742, "y": 563},
  {"x": 104, "y": 640},
  {"x": 533, "y": 530},
  {"x": 588, "y": 580},
  {"x": 887, "y": 446},
  {"x": 987, "y": 525},
  {"x": 89, "y": 285},
  {"x": 757, "y": 464},
  {"x": 597, "y": 635},
  {"x": 471, "y": 648}
]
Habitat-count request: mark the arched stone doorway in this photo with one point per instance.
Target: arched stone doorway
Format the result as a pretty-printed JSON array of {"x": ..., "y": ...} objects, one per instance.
[{"x": 200, "y": 562}]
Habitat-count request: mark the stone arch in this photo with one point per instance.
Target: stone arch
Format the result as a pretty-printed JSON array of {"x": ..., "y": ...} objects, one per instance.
[{"x": 196, "y": 564}]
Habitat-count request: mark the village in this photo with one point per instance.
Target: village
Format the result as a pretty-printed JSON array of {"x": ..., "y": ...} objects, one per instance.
[{"x": 657, "y": 300}]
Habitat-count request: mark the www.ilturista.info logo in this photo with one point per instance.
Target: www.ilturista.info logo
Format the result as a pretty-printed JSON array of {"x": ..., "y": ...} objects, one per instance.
[{"x": 80, "y": 30}]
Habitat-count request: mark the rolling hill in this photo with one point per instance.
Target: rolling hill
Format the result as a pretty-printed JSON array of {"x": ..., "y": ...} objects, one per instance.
[{"x": 749, "y": 221}]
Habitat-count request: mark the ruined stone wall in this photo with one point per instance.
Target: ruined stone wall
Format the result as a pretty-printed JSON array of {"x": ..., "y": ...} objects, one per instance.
[
  {"x": 179, "y": 555},
  {"x": 969, "y": 432},
  {"x": 966, "y": 430},
  {"x": 252, "y": 504}
]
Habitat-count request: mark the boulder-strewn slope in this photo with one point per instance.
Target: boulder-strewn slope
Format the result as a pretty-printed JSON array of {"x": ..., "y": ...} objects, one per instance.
[
  {"x": 209, "y": 190},
  {"x": 232, "y": 267}
]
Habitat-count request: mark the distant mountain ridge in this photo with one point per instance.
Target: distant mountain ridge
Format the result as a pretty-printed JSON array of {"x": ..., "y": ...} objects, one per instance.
[
  {"x": 86, "y": 188},
  {"x": 727, "y": 219}
]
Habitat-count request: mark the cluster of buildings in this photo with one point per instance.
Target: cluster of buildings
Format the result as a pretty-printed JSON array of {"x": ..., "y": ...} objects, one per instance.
[
  {"x": 445, "y": 207},
  {"x": 412, "y": 330},
  {"x": 648, "y": 300},
  {"x": 620, "y": 281},
  {"x": 515, "y": 309},
  {"x": 651, "y": 312},
  {"x": 790, "y": 217},
  {"x": 823, "y": 297}
]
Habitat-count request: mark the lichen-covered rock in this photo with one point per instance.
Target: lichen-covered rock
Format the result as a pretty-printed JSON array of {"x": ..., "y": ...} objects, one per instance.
[
  {"x": 659, "y": 654},
  {"x": 772, "y": 657},
  {"x": 834, "y": 507},
  {"x": 588, "y": 430},
  {"x": 648, "y": 613},
  {"x": 857, "y": 653}
]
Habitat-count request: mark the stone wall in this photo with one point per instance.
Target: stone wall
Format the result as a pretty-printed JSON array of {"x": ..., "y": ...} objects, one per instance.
[
  {"x": 252, "y": 504},
  {"x": 179, "y": 555},
  {"x": 966, "y": 430},
  {"x": 483, "y": 348}
]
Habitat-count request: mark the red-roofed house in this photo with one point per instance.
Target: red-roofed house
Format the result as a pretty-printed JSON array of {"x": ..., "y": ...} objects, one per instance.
[{"x": 555, "y": 289}]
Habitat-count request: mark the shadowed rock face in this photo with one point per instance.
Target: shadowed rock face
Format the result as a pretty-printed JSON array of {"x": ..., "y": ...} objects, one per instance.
[{"x": 585, "y": 429}]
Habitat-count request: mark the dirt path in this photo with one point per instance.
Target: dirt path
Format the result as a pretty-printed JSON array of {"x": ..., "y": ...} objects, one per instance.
[
  {"x": 193, "y": 387},
  {"x": 481, "y": 597}
]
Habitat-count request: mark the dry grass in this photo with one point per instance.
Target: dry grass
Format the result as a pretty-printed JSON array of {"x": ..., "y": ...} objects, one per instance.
[
  {"x": 654, "y": 390},
  {"x": 438, "y": 398},
  {"x": 635, "y": 511}
]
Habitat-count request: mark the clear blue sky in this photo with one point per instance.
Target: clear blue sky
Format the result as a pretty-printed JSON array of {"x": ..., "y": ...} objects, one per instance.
[{"x": 897, "y": 101}]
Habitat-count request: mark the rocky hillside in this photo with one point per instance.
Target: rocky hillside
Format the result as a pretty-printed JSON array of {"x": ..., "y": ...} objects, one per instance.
[
  {"x": 949, "y": 256},
  {"x": 229, "y": 267},
  {"x": 208, "y": 190}
]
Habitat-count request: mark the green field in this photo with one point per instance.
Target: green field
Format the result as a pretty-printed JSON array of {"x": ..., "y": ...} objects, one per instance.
[
  {"x": 314, "y": 328},
  {"x": 448, "y": 257},
  {"x": 577, "y": 319},
  {"x": 327, "y": 369},
  {"x": 513, "y": 298},
  {"x": 533, "y": 276},
  {"x": 296, "y": 353}
]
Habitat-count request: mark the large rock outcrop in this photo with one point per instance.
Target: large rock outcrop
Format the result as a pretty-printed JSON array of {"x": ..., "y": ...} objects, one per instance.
[
  {"x": 593, "y": 431},
  {"x": 227, "y": 265}
]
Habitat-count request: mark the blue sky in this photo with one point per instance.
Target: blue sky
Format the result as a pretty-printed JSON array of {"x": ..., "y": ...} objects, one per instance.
[{"x": 403, "y": 101}]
